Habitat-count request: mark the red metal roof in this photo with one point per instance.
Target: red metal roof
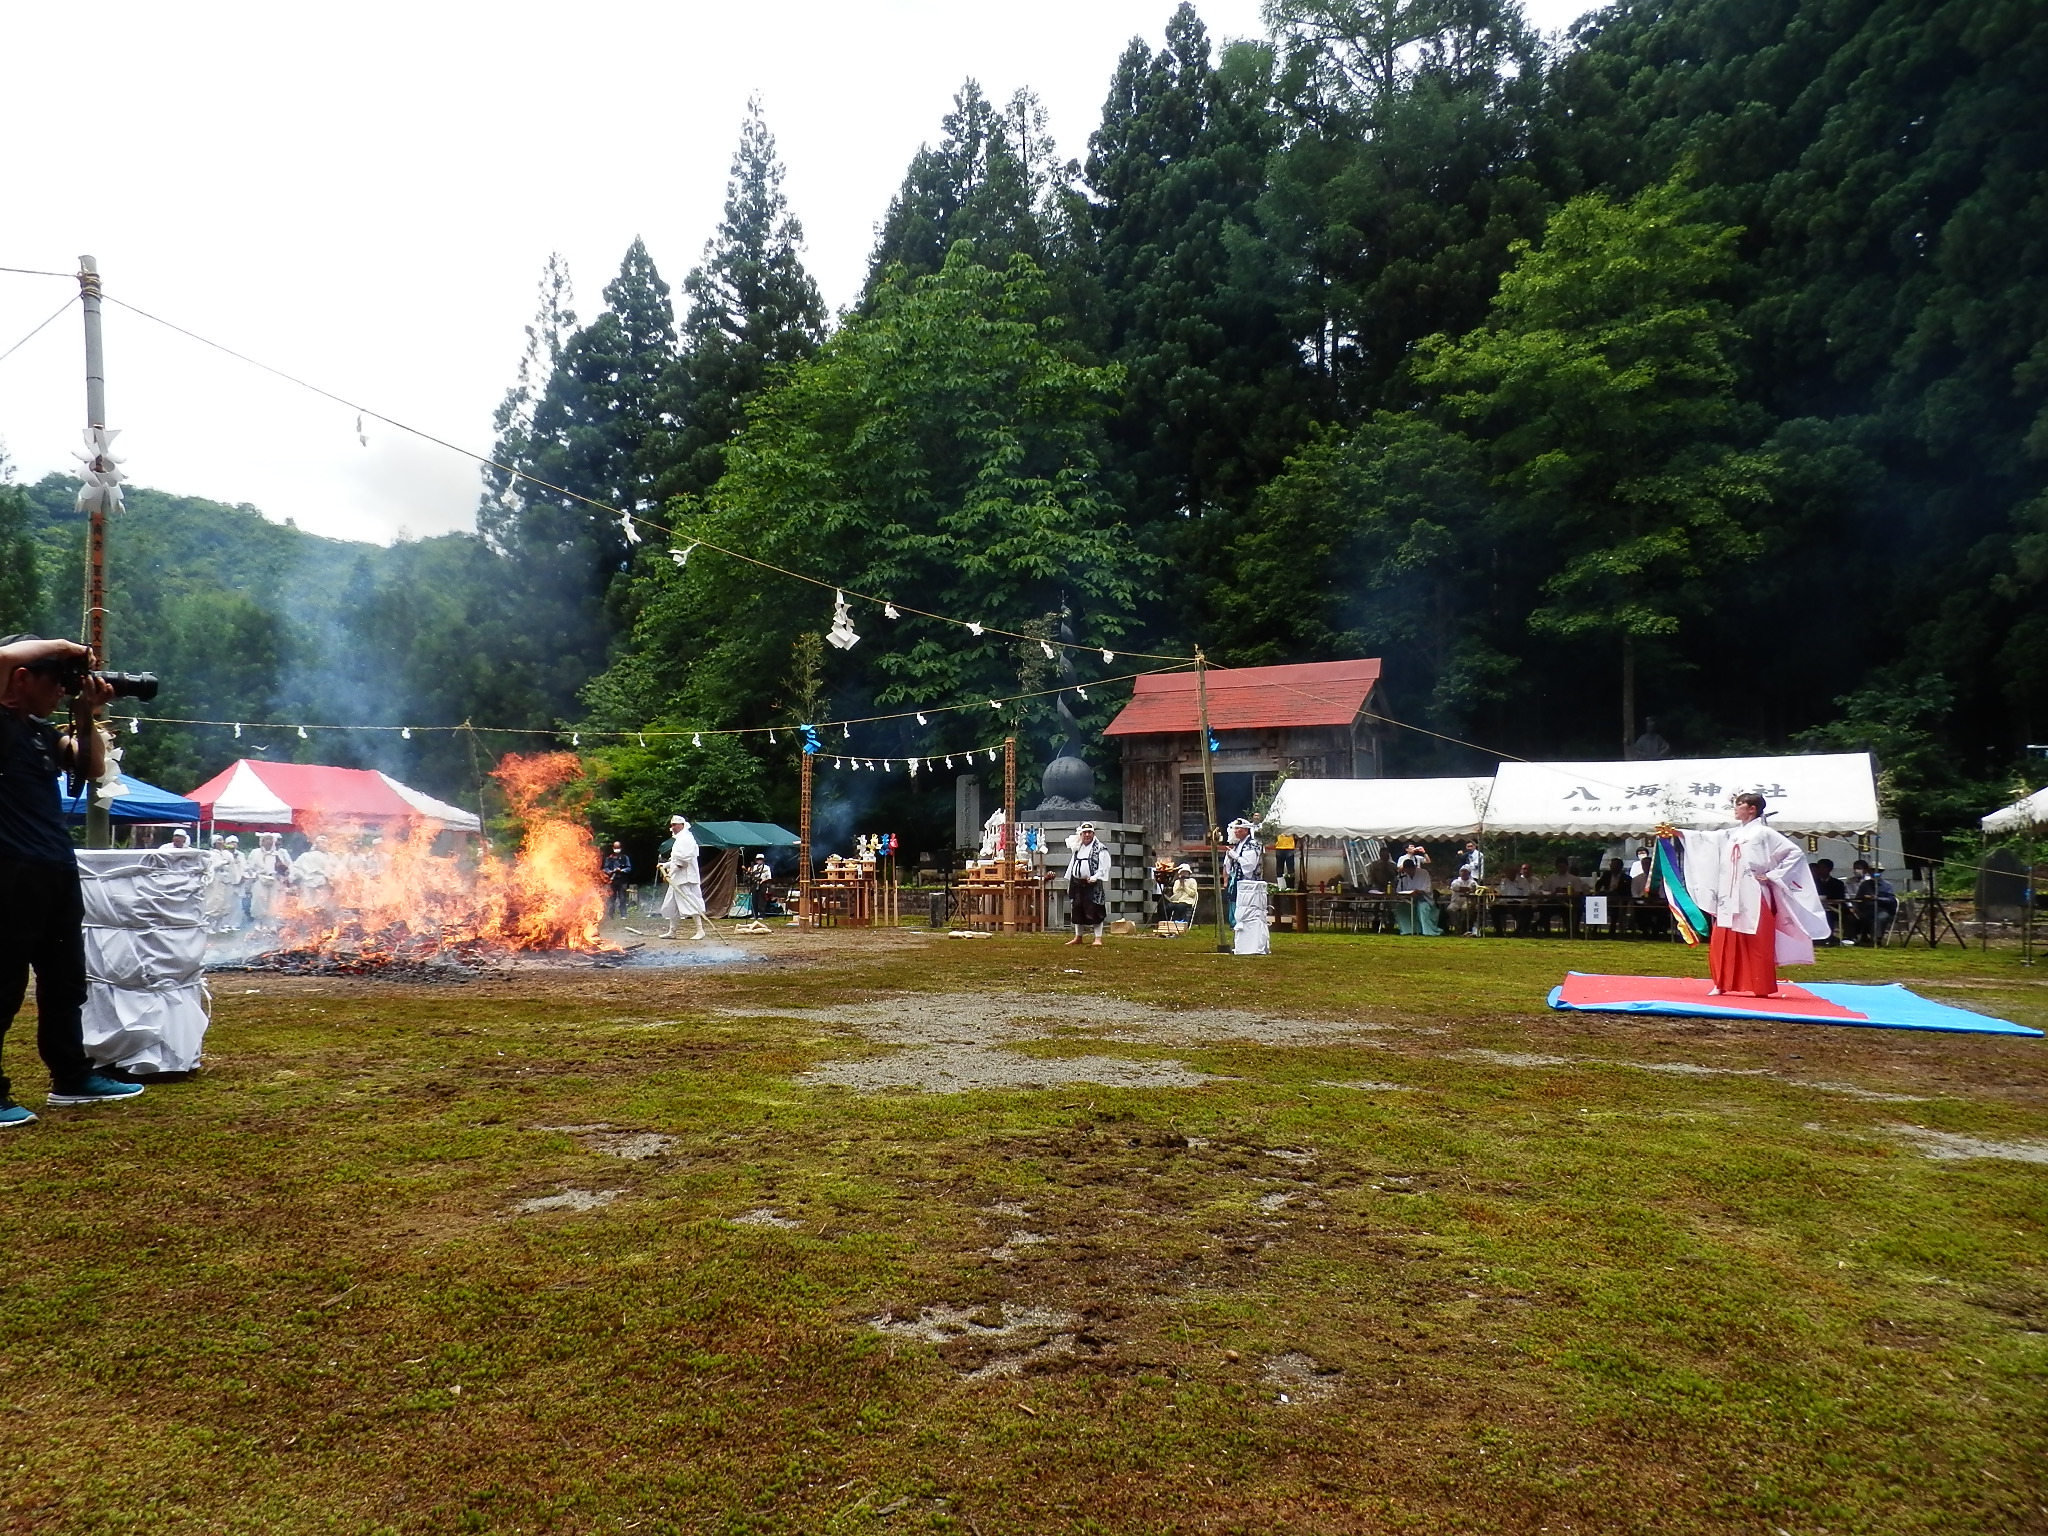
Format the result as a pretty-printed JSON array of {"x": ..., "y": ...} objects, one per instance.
[{"x": 1250, "y": 698}]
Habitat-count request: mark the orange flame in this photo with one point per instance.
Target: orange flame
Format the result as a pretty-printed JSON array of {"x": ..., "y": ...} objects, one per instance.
[{"x": 388, "y": 889}]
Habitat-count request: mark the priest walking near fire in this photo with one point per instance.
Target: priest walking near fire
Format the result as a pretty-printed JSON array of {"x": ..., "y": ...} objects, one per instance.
[
  {"x": 678, "y": 867},
  {"x": 1753, "y": 882}
]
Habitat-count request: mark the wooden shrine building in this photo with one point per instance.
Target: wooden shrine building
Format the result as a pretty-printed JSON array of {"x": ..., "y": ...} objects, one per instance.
[{"x": 1308, "y": 721}]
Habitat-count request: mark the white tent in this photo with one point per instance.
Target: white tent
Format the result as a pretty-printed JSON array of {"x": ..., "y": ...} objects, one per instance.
[
  {"x": 1822, "y": 793},
  {"x": 2030, "y": 812},
  {"x": 1378, "y": 808}
]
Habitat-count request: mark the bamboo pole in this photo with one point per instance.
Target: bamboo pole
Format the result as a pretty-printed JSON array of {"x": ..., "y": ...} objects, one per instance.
[
  {"x": 803, "y": 844},
  {"x": 1011, "y": 841},
  {"x": 1209, "y": 795}
]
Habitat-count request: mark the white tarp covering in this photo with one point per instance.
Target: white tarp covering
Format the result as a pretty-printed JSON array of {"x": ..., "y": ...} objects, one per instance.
[
  {"x": 147, "y": 1003},
  {"x": 452, "y": 816},
  {"x": 1378, "y": 808},
  {"x": 1823, "y": 793},
  {"x": 2030, "y": 812}
]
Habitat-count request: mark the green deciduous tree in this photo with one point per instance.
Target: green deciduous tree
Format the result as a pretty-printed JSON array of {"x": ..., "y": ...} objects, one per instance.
[
  {"x": 1373, "y": 542},
  {"x": 21, "y": 584},
  {"x": 1605, "y": 386},
  {"x": 941, "y": 451}
]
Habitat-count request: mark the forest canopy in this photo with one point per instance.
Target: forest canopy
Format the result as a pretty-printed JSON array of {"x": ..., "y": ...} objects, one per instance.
[{"x": 1691, "y": 366}]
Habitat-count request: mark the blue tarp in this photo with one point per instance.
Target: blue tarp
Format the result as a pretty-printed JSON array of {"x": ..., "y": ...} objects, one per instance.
[
  {"x": 142, "y": 802},
  {"x": 1888, "y": 1006}
]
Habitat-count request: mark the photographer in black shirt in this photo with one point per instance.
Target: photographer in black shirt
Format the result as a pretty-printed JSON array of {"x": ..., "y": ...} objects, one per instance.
[{"x": 42, "y": 916}]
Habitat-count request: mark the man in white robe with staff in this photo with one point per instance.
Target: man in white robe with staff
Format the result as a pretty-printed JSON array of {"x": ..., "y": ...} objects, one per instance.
[{"x": 685, "y": 896}]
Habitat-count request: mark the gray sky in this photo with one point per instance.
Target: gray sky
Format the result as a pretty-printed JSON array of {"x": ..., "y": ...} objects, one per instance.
[{"x": 364, "y": 196}]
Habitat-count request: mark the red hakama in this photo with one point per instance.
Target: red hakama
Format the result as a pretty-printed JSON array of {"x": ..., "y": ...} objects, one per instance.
[{"x": 1747, "y": 962}]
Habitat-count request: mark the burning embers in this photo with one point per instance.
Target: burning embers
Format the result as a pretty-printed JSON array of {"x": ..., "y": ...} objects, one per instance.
[{"x": 367, "y": 905}]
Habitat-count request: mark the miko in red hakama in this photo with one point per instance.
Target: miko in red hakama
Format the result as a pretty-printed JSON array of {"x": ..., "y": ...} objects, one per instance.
[
  {"x": 1746, "y": 962},
  {"x": 1753, "y": 882}
]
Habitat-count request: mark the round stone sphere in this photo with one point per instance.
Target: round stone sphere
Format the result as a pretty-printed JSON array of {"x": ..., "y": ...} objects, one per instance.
[{"x": 1069, "y": 778}]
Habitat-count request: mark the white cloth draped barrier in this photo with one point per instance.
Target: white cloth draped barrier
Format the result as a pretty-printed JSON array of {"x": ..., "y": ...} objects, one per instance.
[{"x": 147, "y": 1003}]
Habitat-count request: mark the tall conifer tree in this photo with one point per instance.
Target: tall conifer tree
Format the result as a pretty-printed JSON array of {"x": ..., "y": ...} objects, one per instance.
[
  {"x": 753, "y": 309},
  {"x": 1218, "y": 393}
]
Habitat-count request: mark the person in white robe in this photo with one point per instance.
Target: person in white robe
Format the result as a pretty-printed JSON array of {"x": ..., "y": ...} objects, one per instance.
[
  {"x": 1755, "y": 885},
  {"x": 313, "y": 878},
  {"x": 1088, "y": 868},
  {"x": 685, "y": 897},
  {"x": 268, "y": 870},
  {"x": 1245, "y": 892},
  {"x": 223, "y": 872}
]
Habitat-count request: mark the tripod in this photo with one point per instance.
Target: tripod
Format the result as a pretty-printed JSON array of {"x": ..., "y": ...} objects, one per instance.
[{"x": 1931, "y": 917}]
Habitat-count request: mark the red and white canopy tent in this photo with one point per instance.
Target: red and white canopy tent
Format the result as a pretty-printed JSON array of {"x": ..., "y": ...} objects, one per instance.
[{"x": 258, "y": 796}]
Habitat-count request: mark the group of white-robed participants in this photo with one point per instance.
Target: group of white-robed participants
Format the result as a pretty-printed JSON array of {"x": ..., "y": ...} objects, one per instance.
[
  {"x": 266, "y": 875},
  {"x": 1245, "y": 896}
]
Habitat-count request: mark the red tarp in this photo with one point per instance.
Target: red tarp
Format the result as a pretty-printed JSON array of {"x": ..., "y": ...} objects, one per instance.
[{"x": 259, "y": 794}]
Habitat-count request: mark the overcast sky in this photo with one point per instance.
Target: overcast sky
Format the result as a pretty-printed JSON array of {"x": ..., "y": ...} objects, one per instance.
[{"x": 364, "y": 196}]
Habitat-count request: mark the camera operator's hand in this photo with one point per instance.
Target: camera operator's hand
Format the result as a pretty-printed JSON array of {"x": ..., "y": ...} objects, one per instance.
[{"x": 94, "y": 690}]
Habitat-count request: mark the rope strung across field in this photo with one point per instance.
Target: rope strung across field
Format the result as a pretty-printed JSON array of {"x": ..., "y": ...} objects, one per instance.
[
  {"x": 576, "y": 733},
  {"x": 32, "y": 335},
  {"x": 889, "y": 606}
]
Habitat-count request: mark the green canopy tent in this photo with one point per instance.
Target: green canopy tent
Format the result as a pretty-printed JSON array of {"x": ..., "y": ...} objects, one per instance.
[
  {"x": 741, "y": 834},
  {"x": 724, "y": 840}
]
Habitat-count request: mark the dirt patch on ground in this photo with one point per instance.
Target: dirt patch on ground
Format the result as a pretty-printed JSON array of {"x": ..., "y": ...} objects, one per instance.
[
  {"x": 985, "y": 1342},
  {"x": 1946, "y": 1146},
  {"x": 1300, "y": 1378},
  {"x": 568, "y": 1200},
  {"x": 958, "y": 1042}
]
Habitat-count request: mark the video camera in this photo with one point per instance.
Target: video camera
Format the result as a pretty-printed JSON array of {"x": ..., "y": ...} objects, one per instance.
[{"x": 71, "y": 671}]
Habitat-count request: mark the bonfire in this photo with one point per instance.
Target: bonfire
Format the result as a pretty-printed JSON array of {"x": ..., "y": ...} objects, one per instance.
[{"x": 399, "y": 910}]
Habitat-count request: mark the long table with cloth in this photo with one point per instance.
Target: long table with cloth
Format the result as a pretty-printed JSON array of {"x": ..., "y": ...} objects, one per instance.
[{"x": 147, "y": 1003}]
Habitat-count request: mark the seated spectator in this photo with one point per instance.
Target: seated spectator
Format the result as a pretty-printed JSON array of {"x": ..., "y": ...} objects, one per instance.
[
  {"x": 1379, "y": 875},
  {"x": 1464, "y": 906},
  {"x": 1515, "y": 889},
  {"x": 1181, "y": 897},
  {"x": 1613, "y": 882},
  {"x": 1873, "y": 904},
  {"x": 1832, "y": 895}
]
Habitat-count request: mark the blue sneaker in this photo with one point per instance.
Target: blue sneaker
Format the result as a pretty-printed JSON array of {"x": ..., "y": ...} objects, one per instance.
[
  {"x": 96, "y": 1090},
  {"x": 12, "y": 1115}
]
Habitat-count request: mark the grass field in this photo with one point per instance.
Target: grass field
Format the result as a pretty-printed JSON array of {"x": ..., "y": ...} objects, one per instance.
[{"x": 896, "y": 1233}]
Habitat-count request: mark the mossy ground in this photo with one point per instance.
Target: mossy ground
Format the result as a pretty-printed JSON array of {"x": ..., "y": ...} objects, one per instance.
[{"x": 1499, "y": 1295}]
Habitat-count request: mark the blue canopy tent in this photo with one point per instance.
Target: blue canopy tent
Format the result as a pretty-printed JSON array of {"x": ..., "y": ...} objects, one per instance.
[{"x": 139, "y": 802}]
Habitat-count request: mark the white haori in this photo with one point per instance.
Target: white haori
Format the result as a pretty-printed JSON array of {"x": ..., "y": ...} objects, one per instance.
[
  {"x": 685, "y": 897},
  {"x": 1726, "y": 871}
]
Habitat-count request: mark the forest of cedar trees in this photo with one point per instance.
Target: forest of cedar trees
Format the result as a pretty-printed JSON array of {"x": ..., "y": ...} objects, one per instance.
[{"x": 1692, "y": 367}]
